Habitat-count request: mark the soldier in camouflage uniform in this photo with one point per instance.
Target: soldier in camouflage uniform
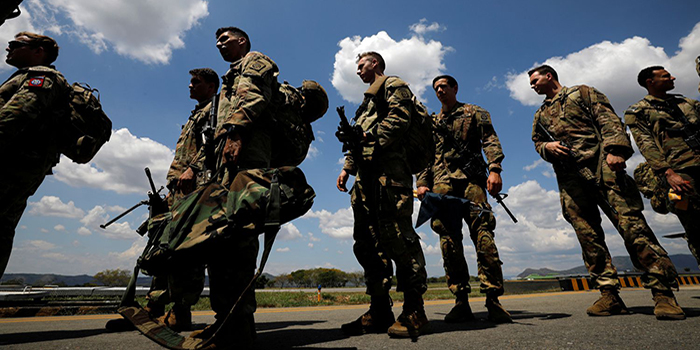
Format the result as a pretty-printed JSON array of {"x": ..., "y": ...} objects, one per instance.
[
  {"x": 589, "y": 160},
  {"x": 461, "y": 131},
  {"x": 243, "y": 134},
  {"x": 382, "y": 204},
  {"x": 656, "y": 122},
  {"x": 33, "y": 101},
  {"x": 187, "y": 172}
]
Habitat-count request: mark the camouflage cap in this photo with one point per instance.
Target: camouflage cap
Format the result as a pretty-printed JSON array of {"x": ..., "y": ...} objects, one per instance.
[{"x": 315, "y": 101}]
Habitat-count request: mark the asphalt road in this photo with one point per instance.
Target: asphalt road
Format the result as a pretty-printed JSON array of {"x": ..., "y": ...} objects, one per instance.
[{"x": 542, "y": 321}]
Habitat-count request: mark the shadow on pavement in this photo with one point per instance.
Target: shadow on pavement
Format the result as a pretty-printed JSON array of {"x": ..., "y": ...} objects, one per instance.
[
  {"x": 271, "y": 335},
  {"x": 649, "y": 310},
  {"x": 32, "y": 337}
]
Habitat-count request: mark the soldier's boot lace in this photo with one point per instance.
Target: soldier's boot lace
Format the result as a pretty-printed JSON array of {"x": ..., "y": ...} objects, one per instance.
[
  {"x": 497, "y": 313},
  {"x": 179, "y": 318},
  {"x": 609, "y": 303},
  {"x": 461, "y": 312},
  {"x": 666, "y": 307},
  {"x": 377, "y": 319}
]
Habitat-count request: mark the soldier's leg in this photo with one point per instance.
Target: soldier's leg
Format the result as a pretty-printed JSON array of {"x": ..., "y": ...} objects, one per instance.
[
  {"x": 690, "y": 217},
  {"x": 184, "y": 288},
  {"x": 580, "y": 209},
  {"x": 401, "y": 243},
  {"x": 377, "y": 267}
]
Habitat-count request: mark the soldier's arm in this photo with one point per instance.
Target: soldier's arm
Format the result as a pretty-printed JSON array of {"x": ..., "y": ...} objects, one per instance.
[
  {"x": 395, "y": 124},
  {"x": 183, "y": 155},
  {"x": 425, "y": 177},
  {"x": 638, "y": 124},
  {"x": 612, "y": 130},
  {"x": 539, "y": 139},
  {"x": 35, "y": 97},
  {"x": 489, "y": 140}
]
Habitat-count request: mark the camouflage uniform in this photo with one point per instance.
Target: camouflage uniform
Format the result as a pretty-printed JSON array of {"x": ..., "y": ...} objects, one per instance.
[
  {"x": 657, "y": 134},
  {"x": 244, "y": 105},
  {"x": 184, "y": 286},
  {"x": 32, "y": 103},
  {"x": 381, "y": 197},
  {"x": 588, "y": 123},
  {"x": 469, "y": 126}
]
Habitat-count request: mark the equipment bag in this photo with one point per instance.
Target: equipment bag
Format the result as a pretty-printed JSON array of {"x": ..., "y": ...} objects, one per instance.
[
  {"x": 295, "y": 110},
  {"x": 89, "y": 127},
  {"x": 651, "y": 187}
]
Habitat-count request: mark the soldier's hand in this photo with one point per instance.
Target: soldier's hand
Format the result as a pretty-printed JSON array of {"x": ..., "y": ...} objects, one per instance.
[
  {"x": 616, "y": 163},
  {"x": 494, "y": 183},
  {"x": 676, "y": 182},
  {"x": 232, "y": 148},
  {"x": 185, "y": 183},
  {"x": 557, "y": 150},
  {"x": 421, "y": 190},
  {"x": 342, "y": 181}
]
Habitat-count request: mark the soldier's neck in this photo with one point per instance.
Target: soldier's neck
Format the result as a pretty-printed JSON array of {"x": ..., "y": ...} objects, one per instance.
[{"x": 447, "y": 107}]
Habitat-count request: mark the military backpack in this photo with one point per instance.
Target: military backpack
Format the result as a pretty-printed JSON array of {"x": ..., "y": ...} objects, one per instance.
[
  {"x": 652, "y": 187},
  {"x": 295, "y": 110},
  {"x": 88, "y": 126}
]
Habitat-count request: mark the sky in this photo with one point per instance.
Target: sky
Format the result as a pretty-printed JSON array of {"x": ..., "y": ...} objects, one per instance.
[{"x": 138, "y": 54}]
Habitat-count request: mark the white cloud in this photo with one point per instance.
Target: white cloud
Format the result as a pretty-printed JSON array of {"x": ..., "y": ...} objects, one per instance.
[
  {"x": 534, "y": 165},
  {"x": 337, "y": 225},
  {"x": 613, "y": 67},
  {"x": 289, "y": 232},
  {"x": 97, "y": 216},
  {"x": 59, "y": 228},
  {"x": 282, "y": 250},
  {"x": 311, "y": 245},
  {"x": 53, "y": 206},
  {"x": 312, "y": 238},
  {"x": 422, "y": 27},
  {"x": 416, "y": 60},
  {"x": 147, "y": 31},
  {"x": 119, "y": 165},
  {"x": 43, "y": 230},
  {"x": 432, "y": 249},
  {"x": 84, "y": 231},
  {"x": 35, "y": 246}
]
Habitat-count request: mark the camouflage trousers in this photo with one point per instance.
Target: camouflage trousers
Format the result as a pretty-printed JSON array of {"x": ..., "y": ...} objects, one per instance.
[
  {"x": 383, "y": 232},
  {"x": 15, "y": 189},
  {"x": 481, "y": 229},
  {"x": 690, "y": 217},
  {"x": 580, "y": 201},
  {"x": 180, "y": 287}
]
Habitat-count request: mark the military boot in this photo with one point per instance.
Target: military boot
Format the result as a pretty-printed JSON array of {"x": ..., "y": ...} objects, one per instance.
[
  {"x": 179, "y": 318},
  {"x": 608, "y": 304},
  {"x": 497, "y": 313},
  {"x": 461, "y": 312},
  {"x": 237, "y": 333},
  {"x": 667, "y": 307},
  {"x": 412, "y": 322},
  {"x": 377, "y": 320},
  {"x": 154, "y": 310}
]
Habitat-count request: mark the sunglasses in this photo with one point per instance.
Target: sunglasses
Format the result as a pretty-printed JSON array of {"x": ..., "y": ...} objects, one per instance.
[{"x": 16, "y": 44}]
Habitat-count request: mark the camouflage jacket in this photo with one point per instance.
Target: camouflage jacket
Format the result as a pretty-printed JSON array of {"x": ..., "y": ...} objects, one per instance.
[
  {"x": 652, "y": 126},
  {"x": 582, "y": 117},
  {"x": 697, "y": 68},
  {"x": 188, "y": 151},
  {"x": 384, "y": 116},
  {"x": 245, "y": 104},
  {"x": 469, "y": 126},
  {"x": 33, "y": 103}
]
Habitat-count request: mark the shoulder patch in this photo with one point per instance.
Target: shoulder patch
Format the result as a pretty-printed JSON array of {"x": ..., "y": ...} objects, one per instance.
[
  {"x": 403, "y": 94},
  {"x": 257, "y": 66},
  {"x": 36, "y": 81}
]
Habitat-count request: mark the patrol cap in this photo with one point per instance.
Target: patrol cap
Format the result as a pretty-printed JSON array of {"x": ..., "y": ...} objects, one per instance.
[{"x": 315, "y": 101}]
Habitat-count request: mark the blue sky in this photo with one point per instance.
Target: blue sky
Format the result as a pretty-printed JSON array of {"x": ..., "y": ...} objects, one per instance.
[{"x": 138, "y": 55}]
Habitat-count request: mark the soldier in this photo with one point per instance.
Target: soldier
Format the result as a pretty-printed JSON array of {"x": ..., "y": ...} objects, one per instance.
[
  {"x": 589, "y": 160},
  {"x": 187, "y": 172},
  {"x": 33, "y": 102},
  {"x": 382, "y": 204},
  {"x": 657, "y": 123},
  {"x": 461, "y": 131},
  {"x": 243, "y": 127}
]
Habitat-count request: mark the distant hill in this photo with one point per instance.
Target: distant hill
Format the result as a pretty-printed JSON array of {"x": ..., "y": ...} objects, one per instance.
[{"x": 684, "y": 263}]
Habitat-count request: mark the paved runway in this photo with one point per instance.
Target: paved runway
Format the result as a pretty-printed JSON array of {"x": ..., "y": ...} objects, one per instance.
[{"x": 542, "y": 321}]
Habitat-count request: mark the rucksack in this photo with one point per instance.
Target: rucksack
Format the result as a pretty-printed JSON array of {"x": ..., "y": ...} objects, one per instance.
[
  {"x": 88, "y": 126},
  {"x": 651, "y": 187},
  {"x": 295, "y": 110}
]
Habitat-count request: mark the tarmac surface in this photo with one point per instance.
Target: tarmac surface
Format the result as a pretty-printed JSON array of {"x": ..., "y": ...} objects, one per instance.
[{"x": 541, "y": 321}]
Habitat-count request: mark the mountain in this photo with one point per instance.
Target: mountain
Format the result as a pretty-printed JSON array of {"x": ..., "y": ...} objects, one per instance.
[{"x": 685, "y": 263}]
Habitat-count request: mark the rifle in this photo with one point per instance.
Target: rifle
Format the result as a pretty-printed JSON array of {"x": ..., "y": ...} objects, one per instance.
[
  {"x": 585, "y": 173},
  {"x": 350, "y": 135},
  {"x": 208, "y": 141},
  {"x": 499, "y": 197},
  {"x": 156, "y": 206},
  {"x": 9, "y": 9}
]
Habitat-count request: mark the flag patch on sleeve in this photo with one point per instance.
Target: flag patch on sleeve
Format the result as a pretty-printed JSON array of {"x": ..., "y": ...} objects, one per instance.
[{"x": 36, "y": 82}]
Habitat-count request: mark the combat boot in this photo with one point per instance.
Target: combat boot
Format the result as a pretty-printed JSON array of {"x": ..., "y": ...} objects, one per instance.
[
  {"x": 608, "y": 304},
  {"x": 377, "y": 320},
  {"x": 237, "y": 333},
  {"x": 666, "y": 307},
  {"x": 461, "y": 312},
  {"x": 154, "y": 310},
  {"x": 497, "y": 313},
  {"x": 412, "y": 322},
  {"x": 179, "y": 318}
]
